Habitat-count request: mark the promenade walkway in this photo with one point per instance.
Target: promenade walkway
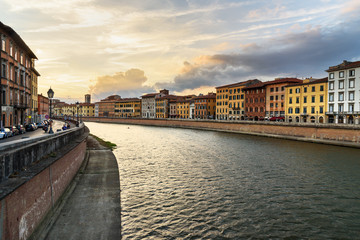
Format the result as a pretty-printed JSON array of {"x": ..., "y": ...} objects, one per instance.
[{"x": 92, "y": 210}]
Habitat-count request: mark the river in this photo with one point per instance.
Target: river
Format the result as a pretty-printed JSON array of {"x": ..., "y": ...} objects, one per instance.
[{"x": 193, "y": 184}]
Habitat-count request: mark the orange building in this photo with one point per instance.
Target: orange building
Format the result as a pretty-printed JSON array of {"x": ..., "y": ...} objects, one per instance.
[
  {"x": 107, "y": 106},
  {"x": 275, "y": 96},
  {"x": 205, "y": 106},
  {"x": 16, "y": 69}
]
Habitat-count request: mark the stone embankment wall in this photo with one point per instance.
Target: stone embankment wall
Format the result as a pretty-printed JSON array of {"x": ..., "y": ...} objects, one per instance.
[
  {"x": 47, "y": 167},
  {"x": 337, "y": 134}
]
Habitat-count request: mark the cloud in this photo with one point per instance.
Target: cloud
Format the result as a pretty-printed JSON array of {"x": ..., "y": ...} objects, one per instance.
[
  {"x": 303, "y": 54},
  {"x": 124, "y": 83}
]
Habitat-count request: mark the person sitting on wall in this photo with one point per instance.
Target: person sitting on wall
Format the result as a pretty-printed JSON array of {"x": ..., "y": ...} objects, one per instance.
[{"x": 64, "y": 127}]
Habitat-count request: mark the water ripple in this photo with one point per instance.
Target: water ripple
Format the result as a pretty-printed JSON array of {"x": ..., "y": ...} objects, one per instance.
[{"x": 188, "y": 184}]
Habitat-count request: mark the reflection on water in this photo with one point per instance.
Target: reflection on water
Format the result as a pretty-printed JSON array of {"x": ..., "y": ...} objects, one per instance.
[{"x": 191, "y": 184}]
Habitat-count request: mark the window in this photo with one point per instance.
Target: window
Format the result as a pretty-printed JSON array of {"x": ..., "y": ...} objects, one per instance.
[
  {"x": 271, "y": 98},
  {"x": 351, "y": 83},
  {"x": 297, "y": 100},
  {"x": 290, "y": 91},
  {"x": 312, "y": 99},
  {"x": 305, "y": 110},
  {"x": 341, "y": 84},
  {"x": 3, "y": 72},
  {"x": 277, "y": 89},
  {"x": 341, "y": 107},
  {"x": 305, "y": 99},
  {"x": 297, "y": 90},
  {"x": 351, "y": 107},
  {"x": 276, "y": 97},
  {"x": 341, "y": 96},
  {"x": 322, "y": 88},
  {"x": 331, "y": 75},
  {"x": 290, "y": 100},
  {"x": 297, "y": 110},
  {"x": 313, "y": 88},
  {"x": 351, "y": 96},
  {"x": 352, "y": 73},
  {"x": 305, "y": 89},
  {"x": 331, "y": 85},
  {"x": 3, "y": 43},
  {"x": 271, "y": 89},
  {"x": 312, "y": 110},
  {"x": 321, "y": 109},
  {"x": 11, "y": 49},
  {"x": 331, "y": 107},
  {"x": 290, "y": 110},
  {"x": 271, "y": 105},
  {"x": 322, "y": 98},
  {"x": 341, "y": 74}
]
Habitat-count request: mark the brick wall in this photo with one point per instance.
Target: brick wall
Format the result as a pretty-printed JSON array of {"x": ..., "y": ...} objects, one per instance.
[
  {"x": 25, "y": 207},
  {"x": 338, "y": 134}
]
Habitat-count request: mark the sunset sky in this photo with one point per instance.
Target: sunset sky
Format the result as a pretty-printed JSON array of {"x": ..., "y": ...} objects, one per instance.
[{"x": 129, "y": 48}]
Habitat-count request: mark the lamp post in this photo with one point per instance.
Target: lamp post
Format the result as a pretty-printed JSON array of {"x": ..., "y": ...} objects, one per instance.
[
  {"x": 50, "y": 94},
  {"x": 77, "y": 115}
]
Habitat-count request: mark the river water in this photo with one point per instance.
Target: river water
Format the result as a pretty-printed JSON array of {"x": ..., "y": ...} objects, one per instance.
[{"x": 192, "y": 184}]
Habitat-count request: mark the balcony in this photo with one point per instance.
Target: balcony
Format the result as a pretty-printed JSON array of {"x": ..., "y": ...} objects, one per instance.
[{"x": 21, "y": 105}]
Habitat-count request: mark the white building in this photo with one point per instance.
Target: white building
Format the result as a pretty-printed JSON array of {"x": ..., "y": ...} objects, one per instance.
[
  {"x": 344, "y": 93},
  {"x": 192, "y": 110},
  {"x": 96, "y": 109},
  {"x": 148, "y": 104}
]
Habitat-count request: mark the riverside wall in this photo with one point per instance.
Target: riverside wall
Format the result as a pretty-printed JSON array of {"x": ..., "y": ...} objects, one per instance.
[
  {"x": 336, "y": 134},
  {"x": 29, "y": 195}
]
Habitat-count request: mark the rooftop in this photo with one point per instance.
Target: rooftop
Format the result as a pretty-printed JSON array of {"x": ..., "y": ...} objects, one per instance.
[{"x": 344, "y": 65}]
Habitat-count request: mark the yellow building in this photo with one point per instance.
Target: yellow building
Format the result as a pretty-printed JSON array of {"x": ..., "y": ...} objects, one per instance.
[
  {"x": 34, "y": 93},
  {"x": 161, "y": 107},
  {"x": 183, "y": 108},
  {"x": 230, "y": 100},
  {"x": 69, "y": 110},
  {"x": 87, "y": 109},
  {"x": 306, "y": 102},
  {"x": 128, "y": 108}
]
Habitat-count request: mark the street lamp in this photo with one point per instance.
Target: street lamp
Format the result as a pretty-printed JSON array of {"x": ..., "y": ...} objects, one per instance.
[
  {"x": 77, "y": 115},
  {"x": 50, "y": 94}
]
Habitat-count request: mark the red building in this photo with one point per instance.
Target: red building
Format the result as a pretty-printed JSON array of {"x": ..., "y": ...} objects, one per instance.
[
  {"x": 16, "y": 69},
  {"x": 43, "y": 106},
  {"x": 255, "y": 101}
]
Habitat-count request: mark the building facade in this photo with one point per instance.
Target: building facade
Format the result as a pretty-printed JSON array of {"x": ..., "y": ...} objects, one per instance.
[
  {"x": 344, "y": 93},
  {"x": 205, "y": 106},
  {"x": 43, "y": 107},
  {"x": 306, "y": 102},
  {"x": 230, "y": 100},
  {"x": 255, "y": 101},
  {"x": 275, "y": 96},
  {"x": 128, "y": 108},
  {"x": 16, "y": 68},
  {"x": 148, "y": 103}
]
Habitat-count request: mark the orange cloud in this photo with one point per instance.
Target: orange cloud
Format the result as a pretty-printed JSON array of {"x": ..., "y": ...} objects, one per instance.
[{"x": 121, "y": 81}]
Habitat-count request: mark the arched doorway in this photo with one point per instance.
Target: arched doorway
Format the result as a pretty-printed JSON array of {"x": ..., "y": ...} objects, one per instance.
[
  {"x": 351, "y": 120},
  {"x": 304, "y": 119},
  {"x": 297, "y": 119},
  {"x": 290, "y": 119},
  {"x": 312, "y": 119},
  {"x": 321, "y": 120}
]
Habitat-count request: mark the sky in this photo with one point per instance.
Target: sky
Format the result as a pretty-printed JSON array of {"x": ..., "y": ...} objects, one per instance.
[{"x": 130, "y": 48}]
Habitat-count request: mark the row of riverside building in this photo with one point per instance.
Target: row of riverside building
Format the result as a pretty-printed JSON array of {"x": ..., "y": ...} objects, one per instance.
[{"x": 332, "y": 99}]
